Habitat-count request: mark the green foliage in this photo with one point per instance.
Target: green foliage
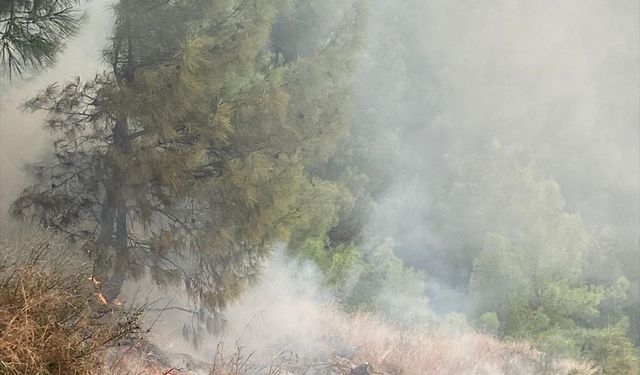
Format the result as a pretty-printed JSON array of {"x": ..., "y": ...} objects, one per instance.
[
  {"x": 495, "y": 193},
  {"x": 497, "y": 278},
  {"x": 399, "y": 292},
  {"x": 529, "y": 271},
  {"x": 190, "y": 158},
  {"x": 370, "y": 279},
  {"x": 334, "y": 263},
  {"x": 610, "y": 349},
  {"x": 489, "y": 322},
  {"x": 32, "y": 32}
]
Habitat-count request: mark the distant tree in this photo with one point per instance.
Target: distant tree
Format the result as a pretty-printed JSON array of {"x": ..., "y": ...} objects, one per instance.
[
  {"x": 529, "y": 271},
  {"x": 188, "y": 159},
  {"x": 32, "y": 32}
]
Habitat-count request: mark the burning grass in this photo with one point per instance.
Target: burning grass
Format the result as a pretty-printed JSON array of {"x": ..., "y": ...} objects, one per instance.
[{"x": 51, "y": 321}]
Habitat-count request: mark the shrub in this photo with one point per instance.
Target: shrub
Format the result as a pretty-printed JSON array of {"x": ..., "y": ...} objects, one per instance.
[
  {"x": 51, "y": 322},
  {"x": 489, "y": 323}
]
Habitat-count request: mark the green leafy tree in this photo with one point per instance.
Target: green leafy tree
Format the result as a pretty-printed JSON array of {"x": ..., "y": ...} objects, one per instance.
[
  {"x": 370, "y": 278},
  {"x": 530, "y": 270},
  {"x": 610, "y": 349}
]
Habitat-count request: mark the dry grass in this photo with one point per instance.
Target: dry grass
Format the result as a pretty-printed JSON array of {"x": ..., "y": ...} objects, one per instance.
[
  {"x": 440, "y": 351},
  {"x": 389, "y": 350},
  {"x": 284, "y": 362},
  {"x": 50, "y": 320}
]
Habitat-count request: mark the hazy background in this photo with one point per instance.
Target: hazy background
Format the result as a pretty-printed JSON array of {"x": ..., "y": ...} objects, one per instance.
[{"x": 557, "y": 80}]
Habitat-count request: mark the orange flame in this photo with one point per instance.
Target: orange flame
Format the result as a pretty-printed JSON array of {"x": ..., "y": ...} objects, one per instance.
[
  {"x": 95, "y": 281},
  {"x": 102, "y": 298}
]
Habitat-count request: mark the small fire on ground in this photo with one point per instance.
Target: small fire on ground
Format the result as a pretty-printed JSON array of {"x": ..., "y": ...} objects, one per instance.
[{"x": 101, "y": 296}]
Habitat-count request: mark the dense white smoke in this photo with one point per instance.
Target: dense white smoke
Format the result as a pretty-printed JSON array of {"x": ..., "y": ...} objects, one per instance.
[
  {"x": 557, "y": 80},
  {"x": 288, "y": 308}
]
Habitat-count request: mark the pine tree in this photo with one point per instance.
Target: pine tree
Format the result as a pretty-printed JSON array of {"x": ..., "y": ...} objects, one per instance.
[
  {"x": 32, "y": 32},
  {"x": 189, "y": 158}
]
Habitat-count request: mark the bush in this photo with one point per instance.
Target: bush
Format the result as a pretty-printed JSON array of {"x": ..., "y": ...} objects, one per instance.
[{"x": 489, "y": 323}]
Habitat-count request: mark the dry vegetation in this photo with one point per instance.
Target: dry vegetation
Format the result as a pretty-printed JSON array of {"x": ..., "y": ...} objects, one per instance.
[
  {"x": 379, "y": 348},
  {"x": 51, "y": 322},
  {"x": 364, "y": 345},
  {"x": 442, "y": 351}
]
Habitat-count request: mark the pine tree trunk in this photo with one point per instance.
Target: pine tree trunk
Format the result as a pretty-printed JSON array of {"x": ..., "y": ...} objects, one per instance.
[
  {"x": 114, "y": 231},
  {"x": 103, "y": 269}
]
